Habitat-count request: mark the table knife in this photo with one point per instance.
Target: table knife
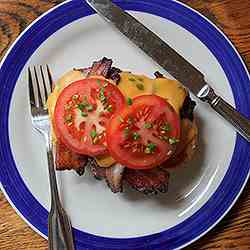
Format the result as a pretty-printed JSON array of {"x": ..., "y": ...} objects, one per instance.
[{"x": 171, "y": 61}]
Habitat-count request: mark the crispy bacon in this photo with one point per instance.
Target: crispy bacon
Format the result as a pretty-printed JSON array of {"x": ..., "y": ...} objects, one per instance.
[
  {"x": 65, "y": 159},
  {"x": 145, "y": 181},
  {"x": 84, "y": 71},
  {"x": 149, "y": 181},
  {"x": 158, "y": 74},
  {"x": 114, "y": 74},
  {"x": 104, "y": 68}
]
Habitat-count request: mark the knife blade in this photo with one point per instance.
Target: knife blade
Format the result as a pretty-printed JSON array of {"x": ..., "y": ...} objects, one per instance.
[{"x": 170, "y": 60}]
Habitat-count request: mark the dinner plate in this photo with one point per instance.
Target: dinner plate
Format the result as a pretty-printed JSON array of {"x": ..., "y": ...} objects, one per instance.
[{"x": 200, "y": 192}]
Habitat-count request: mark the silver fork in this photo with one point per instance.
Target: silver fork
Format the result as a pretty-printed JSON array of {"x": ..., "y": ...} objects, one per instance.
[{"x": 59, "y": 226}]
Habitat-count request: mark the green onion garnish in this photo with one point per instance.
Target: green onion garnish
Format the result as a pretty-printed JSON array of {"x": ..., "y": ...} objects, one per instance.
[
  {"x": 93, "y": 134},
  {"x": 165, "y": 127},
  {"x": 140, "y": 86},
  {"x": 132, "y": 79},
  {"x": 84, "y": 114},
  {"x": 150, "y": 148},
  {"x": 173, "y": 140},
  {"x": 136, "y": 136},
  {"x": 129, "y": 101},
  {"x": 90, "y": 107},
  {"x": 148, "y": 125},
  {"x": 110, "y": 108},
  {"x": 102, "y": 96}
]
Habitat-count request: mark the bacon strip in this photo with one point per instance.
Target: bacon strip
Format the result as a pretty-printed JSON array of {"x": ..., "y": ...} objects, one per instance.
[
  {"x": 65, "y": 159},
  {"x": 149, "y": 181},
  {"x": 84, "y": 71},
  {"x": 104, "y": 68}
]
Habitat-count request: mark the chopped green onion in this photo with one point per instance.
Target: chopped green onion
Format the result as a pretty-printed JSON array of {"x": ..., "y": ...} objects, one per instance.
[
  {"x": 102, "y": 95},
  {"x": 164, "y": 137},
  {"x": 93, "y": 134},
  {"x": 90, "y": 107},
  {"x": 129, "y": 101},
  {"x": 140, "y": 79},
  {"x": 136, "y": 136},
  {"x": 110, "y": 108},
  {"x": 148, "y": 125},
  {"x": 98, "y": 82},
  {"x": 150, "y": 148},
  {"x": 173, "y": 140},
  {"x": 140, "y": 86},
  {"x": 81, "y": 106},
  {"x": 165, "y": 127},
  {"x": 132, "y": 79},
  {"x": 84, "y": 114}
]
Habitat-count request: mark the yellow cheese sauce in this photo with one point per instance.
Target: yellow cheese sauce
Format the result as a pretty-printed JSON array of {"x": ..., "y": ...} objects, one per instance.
[
  {"x": 131, "y": 85},
  {"x": 134, "y": 85}
]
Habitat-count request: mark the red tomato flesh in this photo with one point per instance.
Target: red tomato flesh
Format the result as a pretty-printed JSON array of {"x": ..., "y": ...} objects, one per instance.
[
  {"x": 145, "y": 134},
  {"x": 82, "y": 112}
]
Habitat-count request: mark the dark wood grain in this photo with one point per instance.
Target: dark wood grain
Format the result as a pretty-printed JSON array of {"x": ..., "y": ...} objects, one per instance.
[{"x": 233, "y": 17}]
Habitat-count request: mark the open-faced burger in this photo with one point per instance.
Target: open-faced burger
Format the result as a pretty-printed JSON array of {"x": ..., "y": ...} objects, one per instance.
[{"x": 124, "y": 128}]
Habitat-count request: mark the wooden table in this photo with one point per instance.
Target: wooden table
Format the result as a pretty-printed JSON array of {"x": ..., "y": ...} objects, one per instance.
[{"x": 233, "y": 17}]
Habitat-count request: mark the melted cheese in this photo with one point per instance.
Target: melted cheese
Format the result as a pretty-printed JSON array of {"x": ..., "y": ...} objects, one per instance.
[
  {"x": 169, "y": 89},
  {"x": 64, "y": 81},
  {"x": 105, "y": 161},
  {"x": 131, "y": 86}
]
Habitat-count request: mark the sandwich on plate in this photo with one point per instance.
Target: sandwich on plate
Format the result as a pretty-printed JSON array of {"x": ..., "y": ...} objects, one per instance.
[{"x": 125, "y": 128}]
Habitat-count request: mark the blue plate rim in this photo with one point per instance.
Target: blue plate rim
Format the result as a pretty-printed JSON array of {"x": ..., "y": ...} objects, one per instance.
[{"x": 166, "y": 239}]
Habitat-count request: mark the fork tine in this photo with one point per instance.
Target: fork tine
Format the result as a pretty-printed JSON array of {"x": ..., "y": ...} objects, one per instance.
[
  {"x": 46, "y": 91},
  {"x": 31, "y": 89},
  {"x": 40, "y": 101},
  {"x": 50, "y": 78}
]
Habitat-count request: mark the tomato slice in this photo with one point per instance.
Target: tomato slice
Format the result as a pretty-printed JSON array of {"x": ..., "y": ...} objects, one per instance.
[
  {"x": 145, "y": 134},
  {"x": 82, "y": 113}
]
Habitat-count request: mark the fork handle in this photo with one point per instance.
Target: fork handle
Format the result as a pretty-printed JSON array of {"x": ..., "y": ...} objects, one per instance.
[{"x": 60, "y": 235}]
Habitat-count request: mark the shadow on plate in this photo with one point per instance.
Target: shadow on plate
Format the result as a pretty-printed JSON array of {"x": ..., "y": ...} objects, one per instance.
[{"x": 184, "y": 180}]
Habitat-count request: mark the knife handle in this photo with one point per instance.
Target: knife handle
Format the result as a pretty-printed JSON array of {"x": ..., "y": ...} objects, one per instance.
[{"x": 239, "y": 122}]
